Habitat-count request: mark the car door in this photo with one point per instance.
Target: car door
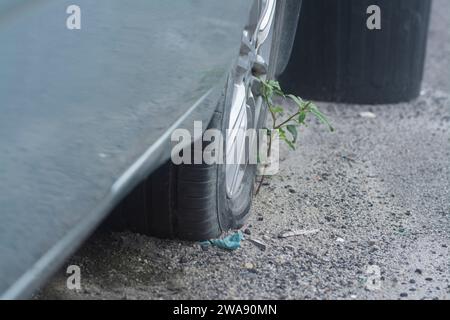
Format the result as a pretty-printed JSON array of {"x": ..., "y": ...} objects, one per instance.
[{"x": 82, "y": 101}]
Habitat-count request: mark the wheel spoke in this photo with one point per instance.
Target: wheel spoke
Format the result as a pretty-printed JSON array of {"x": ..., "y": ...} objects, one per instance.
[
  {"x": 246, "y": 43},
  {"x": 266, "y": 21}
]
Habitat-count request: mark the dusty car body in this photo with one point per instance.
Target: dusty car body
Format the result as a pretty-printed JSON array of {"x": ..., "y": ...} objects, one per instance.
[{"x": 86, "y": 114}]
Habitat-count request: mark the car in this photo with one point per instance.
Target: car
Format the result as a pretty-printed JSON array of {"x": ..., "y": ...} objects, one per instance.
[{"x": 88, "y": 108}]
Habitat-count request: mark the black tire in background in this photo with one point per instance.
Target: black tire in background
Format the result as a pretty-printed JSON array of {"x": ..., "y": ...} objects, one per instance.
[{"x": 337, "y": 58}]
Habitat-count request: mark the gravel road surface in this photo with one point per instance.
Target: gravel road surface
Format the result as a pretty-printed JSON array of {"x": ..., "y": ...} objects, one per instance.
[{"x": 376, "y": 192}]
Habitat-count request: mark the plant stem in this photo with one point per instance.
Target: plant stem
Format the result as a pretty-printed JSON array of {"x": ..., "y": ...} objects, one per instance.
[
  {"x": 269, "y": 151},
  {"x": 292, "y": 117},
  {"x": 271, "y": 113}
]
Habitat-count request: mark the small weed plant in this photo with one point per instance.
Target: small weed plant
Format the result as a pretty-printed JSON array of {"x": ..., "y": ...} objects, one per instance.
[{"x": 286, "y": 126}]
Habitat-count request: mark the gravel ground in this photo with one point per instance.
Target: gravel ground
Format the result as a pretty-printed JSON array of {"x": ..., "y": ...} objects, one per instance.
[{"x": 377, "y": 191}]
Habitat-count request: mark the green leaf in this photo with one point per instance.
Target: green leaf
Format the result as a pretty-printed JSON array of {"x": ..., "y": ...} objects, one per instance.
[
  {"x": 293, "y": 131},
  {"x": 290, "y": 144},
  {"x": 298, "y": 101},
  {"x": 301, "y": 117},
  {"x": 277, "y": 109},
  {"x": 269, "y": 92},
  {"x": 283, "y": 137},
  {"x": 275, "y": 85},
  {"x": 319, "y": 115}
]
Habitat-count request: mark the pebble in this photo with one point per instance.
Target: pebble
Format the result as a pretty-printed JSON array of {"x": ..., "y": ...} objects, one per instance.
[
  {"x": 258, "y": 243},
  {"x": 249, "y": 265}
]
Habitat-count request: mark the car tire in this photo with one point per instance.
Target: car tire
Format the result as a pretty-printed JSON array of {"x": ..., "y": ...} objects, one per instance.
[{"x": 192, "y": 201}]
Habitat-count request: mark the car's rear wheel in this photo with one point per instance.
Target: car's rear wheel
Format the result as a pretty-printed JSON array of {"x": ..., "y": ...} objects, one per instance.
[{"x": 200, "y": 201}]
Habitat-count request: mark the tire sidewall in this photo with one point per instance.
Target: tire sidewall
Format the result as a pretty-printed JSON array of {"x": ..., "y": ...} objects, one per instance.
[{"x": 232, "y": 212}]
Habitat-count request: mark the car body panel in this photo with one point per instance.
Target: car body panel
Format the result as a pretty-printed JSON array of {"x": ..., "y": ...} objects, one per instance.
[{"x": 84, "y": 114}]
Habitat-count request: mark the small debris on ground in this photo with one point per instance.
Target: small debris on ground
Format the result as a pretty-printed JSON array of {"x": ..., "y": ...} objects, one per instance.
[
  {"x": 287, "y": 234},
  {"x": 259, "y": 243},
  {"x": 230, "y": 242},
  {"x": 249, "y": 265},
  {"x": 368, "y": 115},
  {"x": 184, "y": 259}
]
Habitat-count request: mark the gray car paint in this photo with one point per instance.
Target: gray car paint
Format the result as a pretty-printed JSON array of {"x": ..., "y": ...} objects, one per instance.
[
  {"x": 85, "y": 114},
  {"x": 78, "y": 108}
]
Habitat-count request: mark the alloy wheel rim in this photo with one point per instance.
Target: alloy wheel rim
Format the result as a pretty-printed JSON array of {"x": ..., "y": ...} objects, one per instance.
[{"x": 246, "y": 102}]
